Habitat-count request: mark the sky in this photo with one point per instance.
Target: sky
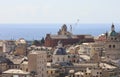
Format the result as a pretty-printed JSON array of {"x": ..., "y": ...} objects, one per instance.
[{"x": 59, "y": 11}]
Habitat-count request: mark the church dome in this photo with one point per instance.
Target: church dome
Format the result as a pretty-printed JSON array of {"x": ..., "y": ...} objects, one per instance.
[
  {"x": 60, "y": 51},
  {"x": 5, "y": 60},
  {"x": 112, "y": 33}
]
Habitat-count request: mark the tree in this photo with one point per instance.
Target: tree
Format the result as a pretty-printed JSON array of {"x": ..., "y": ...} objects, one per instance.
[
  {"x": 42, "y": 41},
  {"x": 36, "y": 42}
]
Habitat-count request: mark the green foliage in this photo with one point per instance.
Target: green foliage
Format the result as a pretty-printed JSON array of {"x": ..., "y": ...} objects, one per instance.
[
  {"x": 42, "y": 41},
  {"x": 38, "y": 42}
]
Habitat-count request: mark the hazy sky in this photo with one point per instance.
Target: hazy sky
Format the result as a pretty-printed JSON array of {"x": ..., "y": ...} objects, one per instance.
[{"x": 59, "y": 11}]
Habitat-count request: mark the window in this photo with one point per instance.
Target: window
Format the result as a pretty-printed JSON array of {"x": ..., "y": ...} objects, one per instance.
[
  {"x": 51, "y": 72},
  {"x": 109, "y": 46},
  {"x": 73, "y": 60},
  {"x": 15, "y": 66},
  {"x": 113, "y": 46},
  {"x": 58, "y": 59},
  {"x": 42, "y": 75},
  {"x": 47, "y": 72},
  {"x": 74, "y": 56},
  {"x": 27, "y": 69},
  {"x": 111, "y": 38},
  {"x": 97, "y": 72},
  {"x": 63, "y": 59}
]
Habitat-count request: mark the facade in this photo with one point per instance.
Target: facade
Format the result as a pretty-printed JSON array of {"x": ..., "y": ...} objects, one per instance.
[
  {"x": 112, "y": 44},
  {"x": 17, "y": 47},
  {"x": 93, "y": 70},
  {"x": 90, "y": 48},
  {"x": 52, "y": 72},
  {"x": 73, "y": 54},
  {"x": 24, "y": 66},
  {"x": 4, "y": 64},
  {"x": 1, "y": 48},
  {"x": 9, "y": 46},
  {"x": 66, "y": 38},
  {"x": 21, "y": 47},
  {"x": 37, "y": 63},
  {"x": 74, "y": 58}
]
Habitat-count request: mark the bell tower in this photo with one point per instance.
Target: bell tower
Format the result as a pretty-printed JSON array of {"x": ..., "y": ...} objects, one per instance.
[{"x": 112, "y": 27}]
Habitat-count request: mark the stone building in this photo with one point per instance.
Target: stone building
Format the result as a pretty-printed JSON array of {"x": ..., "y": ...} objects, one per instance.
[
  {"x": 63, "y": 31},
  {"x": 21, "y": 47},
  {"x": 94, "y": 50},
  {"x": 24, "y": 66},
  {"x": 66, "y": 38},
  {"x": 112, "y": 44},
  {"x": 4, "y": 64},
  {"x": 94, "y": 70},
  {"x": 9, "y": 46},
  {"x": 37, "y": 63}
]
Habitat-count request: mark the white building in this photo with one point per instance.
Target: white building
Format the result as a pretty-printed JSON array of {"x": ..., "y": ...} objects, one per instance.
[{"x": 60, "y": 54}]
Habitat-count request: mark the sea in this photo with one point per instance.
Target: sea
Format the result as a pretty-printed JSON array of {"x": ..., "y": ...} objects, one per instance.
[{"x": 38, "y": 31}]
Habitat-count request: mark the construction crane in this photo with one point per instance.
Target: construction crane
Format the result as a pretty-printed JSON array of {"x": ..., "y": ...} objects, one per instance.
[{"x": 76, "y": 23}]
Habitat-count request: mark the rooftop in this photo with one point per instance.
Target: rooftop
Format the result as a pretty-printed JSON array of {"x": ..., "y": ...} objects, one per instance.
[
  {"x": 60, "y": 51},
  {"x": 86, "y": 64},
  {"x": 5, "y": 60},
  {"x": 107, "y": 66},
  {"x": 63, "y": 36},
  {"x": 85, "y": 57},
  {"x": 79, "y": 73},
  {"x": 15, "y": 71}
]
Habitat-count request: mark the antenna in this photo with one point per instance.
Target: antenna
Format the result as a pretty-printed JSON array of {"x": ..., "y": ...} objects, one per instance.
[{"x": 76, "y": 23}]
